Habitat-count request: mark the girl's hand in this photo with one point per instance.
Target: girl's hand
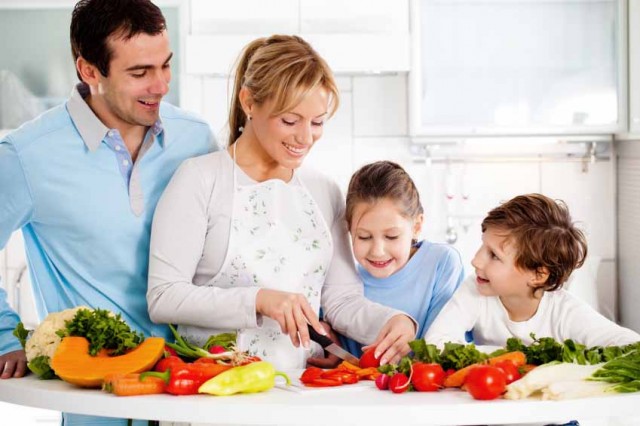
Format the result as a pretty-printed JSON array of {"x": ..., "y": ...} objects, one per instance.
[
  {"x": 331, "y": 361},
  {"x": 393, "y": 341},
  {"x": 292, "y": 311},
  {"x": 13, "y": 364}
]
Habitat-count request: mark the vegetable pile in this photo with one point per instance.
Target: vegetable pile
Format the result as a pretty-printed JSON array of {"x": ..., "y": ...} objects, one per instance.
[{"x": 101, "y": 328}]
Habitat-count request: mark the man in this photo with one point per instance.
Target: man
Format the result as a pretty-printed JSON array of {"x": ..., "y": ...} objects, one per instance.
[{"x": 82, "y": 180}]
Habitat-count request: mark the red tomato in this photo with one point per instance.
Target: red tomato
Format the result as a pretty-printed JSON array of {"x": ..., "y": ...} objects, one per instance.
[
  {"x": 368, "y": 359},
  {"x": 511, "y": 371},
  {"x": 382, "y": 382},
  {"x": 485, "y": 382},
  {"x": 399, "y": 383},
  {"x": 427, "y": 377}
]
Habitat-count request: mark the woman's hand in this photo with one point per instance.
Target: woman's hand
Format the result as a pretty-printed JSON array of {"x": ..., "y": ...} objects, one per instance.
[
  {"x": 292, "y": 311},
  {"x": 13, "y": 364},
  {"x": 393, "y": 341},
  {"x": 331, "y": 361}
]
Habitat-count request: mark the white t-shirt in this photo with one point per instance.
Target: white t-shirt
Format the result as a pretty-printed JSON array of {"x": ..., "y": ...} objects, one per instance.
[
  {"x": 560, "y": 315},
  {"x": 189, "y": 239}
]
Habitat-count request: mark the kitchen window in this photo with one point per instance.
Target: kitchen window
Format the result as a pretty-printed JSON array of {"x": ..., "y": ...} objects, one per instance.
[{"x": 517, "y": 67}]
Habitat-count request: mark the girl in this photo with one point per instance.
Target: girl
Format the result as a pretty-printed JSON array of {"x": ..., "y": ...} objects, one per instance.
[
  {"x": 529, "y": 249},
  {"x": 385, "y": 218},
  {"x": 248, "y": 240}
]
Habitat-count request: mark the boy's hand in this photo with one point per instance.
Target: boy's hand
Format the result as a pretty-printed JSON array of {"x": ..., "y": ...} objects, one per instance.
[
  {"x": 331, "y": 361},
  {"x": 13, "y": 364},
  {"x": 393, "y": 341}
]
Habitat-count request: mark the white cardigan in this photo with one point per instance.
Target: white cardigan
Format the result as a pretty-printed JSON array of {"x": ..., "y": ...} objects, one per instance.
[{"x": 189, "y": 239}]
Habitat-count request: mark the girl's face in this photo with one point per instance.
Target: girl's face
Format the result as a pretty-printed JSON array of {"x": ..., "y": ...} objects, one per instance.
[
  {"x": 381, "y": 236},
  {"x": 496, "y": 271},
  {"x": 287, "y": 138}
]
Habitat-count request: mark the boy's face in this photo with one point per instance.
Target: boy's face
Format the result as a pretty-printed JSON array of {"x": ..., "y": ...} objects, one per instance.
[
  {"x": 381, "y": 237},
  {"x": 139, "y": 75},
  {"x": 496, "y": 271}
]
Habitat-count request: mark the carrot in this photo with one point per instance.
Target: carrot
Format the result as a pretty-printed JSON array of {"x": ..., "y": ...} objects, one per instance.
[
  {"x": 524, "y": 369},
  {"x": 130, "y": 384},
  {"x": 457, "y": 379},
  {"x": 517, "y": 357}
]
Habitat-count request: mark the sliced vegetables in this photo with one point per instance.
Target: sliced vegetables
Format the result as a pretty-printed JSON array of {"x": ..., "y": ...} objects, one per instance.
[{"x": 73, "y": 363}]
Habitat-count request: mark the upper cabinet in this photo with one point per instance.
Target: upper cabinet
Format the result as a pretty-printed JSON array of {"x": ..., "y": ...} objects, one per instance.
[
  {"x": 634, "y": 67},
  {"x": 354, "y": 36},
  {"x": 518, "y": 67}
]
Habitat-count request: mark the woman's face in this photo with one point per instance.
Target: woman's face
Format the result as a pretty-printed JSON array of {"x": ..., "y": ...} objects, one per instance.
[{"x": 287, "y": 138}]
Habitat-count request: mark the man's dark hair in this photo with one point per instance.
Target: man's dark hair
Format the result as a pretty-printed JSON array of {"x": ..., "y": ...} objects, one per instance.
[{"x": 94, "y": 21}]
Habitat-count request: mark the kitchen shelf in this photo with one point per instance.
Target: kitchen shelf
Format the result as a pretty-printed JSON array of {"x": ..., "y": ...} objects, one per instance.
[{"x": 337, "y": 406}]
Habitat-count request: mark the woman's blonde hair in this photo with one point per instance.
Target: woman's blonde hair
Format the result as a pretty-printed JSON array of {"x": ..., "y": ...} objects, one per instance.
[{"x": 282, "y": 69}]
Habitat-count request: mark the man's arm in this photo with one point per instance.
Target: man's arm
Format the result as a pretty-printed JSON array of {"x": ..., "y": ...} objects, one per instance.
[{"x": 16, "y": 208}]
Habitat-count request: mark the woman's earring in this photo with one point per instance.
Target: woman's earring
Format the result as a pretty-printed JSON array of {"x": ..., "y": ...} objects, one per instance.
[
  {"x": 249, "y": 117},
  {"x": 241, "y": 129}
]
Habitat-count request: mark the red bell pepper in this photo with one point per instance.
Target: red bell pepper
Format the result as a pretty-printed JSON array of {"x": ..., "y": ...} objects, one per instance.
[{"x": 185, "y": 379}]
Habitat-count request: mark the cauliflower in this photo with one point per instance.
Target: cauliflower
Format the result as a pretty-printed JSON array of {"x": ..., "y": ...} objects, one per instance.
[{"x": 44, "y": 341}]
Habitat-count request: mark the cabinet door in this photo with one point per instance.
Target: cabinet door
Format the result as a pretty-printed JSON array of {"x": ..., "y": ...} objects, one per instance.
[
  {"x": 634, "y": 67},
  {"x": 517, "y": 67}
]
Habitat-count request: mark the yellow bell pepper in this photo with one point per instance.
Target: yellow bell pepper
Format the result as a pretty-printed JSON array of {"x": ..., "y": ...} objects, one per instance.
[{"x": 255, "y": 377}]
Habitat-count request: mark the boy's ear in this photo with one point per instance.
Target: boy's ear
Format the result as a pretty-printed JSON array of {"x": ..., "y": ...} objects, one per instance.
[
  {"x": 417, "y": 225},
  {"x": 540, "y": 276}
]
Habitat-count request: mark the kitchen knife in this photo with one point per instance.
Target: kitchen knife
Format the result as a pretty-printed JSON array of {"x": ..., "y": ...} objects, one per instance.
[{"x": 328, "y": 345}]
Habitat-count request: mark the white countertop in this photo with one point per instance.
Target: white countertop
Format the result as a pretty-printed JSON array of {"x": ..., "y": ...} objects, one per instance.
[{"x": 338, "y": 406}]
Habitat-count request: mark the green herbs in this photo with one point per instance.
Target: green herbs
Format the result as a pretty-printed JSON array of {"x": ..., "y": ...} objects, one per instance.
[
  {"x": 454, "y": 356},
  {"x": 624, "y": 372},
  {"x": 547, "y": 349},
  {"x": 103, "y": 330}
]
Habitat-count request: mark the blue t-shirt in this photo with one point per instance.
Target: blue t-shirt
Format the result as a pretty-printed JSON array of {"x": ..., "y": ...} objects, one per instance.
[
  {"x": 421, "y": 288},
  {"x": 85, "y": 209}
]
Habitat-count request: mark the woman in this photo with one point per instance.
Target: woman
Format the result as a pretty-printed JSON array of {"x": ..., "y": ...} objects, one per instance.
[{"x": 247, "y": 240}]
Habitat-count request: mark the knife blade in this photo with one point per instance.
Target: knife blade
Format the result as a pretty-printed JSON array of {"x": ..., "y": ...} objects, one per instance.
[{"x": 328, "y": 345}]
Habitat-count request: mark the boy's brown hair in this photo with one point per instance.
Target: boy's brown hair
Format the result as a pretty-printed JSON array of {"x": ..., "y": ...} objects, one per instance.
[{"x": 544, "y": 236}]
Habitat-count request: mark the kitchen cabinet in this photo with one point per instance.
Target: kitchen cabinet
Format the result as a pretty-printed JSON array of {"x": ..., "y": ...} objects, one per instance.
[
  {"x": 634, "y": 67},
  {"x": 355, "y": 37},
  {"x": 337, "y": 406},
  {"x": 518, "y": 67}
]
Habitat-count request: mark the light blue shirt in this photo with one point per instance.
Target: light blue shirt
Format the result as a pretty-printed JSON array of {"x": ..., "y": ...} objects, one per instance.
[
  {"x": 85, "y": 208},
  {"x": 421, "y": 288}
]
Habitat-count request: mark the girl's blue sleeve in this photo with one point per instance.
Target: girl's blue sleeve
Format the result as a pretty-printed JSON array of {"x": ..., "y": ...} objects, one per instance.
[{"x": 448, "y": 278}]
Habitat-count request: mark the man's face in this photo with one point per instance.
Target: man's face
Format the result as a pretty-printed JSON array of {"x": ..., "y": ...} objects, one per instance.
[{"x": 139, "y": 75}]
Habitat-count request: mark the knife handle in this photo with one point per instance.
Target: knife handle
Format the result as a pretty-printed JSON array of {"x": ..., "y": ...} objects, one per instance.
[{"x": 324, "y": 341}]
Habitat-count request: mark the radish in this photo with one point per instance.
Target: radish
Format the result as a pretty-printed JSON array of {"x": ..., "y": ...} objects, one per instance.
[
  {"x": 399, "y": 383},
  {"x": 382, "y": 382}
]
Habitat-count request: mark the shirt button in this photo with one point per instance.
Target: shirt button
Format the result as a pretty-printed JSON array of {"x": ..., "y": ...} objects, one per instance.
[
  {"x": 118, "y": 148},
  {"x": 125, "y": 162},
  {"x": 110, "y": 133}
]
